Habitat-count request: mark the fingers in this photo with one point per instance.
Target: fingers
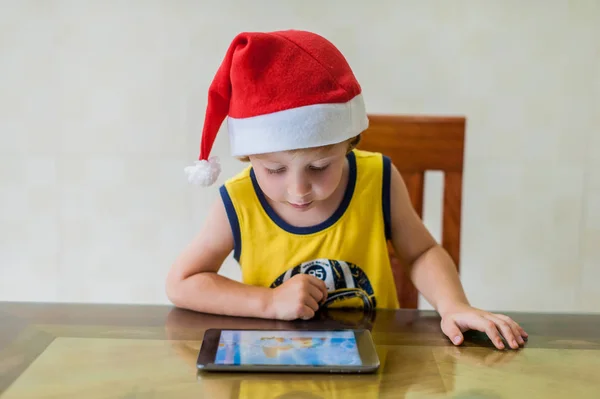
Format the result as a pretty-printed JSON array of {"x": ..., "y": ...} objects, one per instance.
[
  {"x": 311, "y": 303},
  {"x": 520, "y": 333},
  {"x": 509, "y": 334},
  {"x": 300, "y": 297},
  {"x": 306, "y": 313},
  {"x": 514, "y": 328},
  {"x": 495, "y": 326},
  {"x": 320, "y": 284},
  {"x": 452, "y": 331},
  {"x": 489, "y": 327},
  {"x": 315, "y": 293}
]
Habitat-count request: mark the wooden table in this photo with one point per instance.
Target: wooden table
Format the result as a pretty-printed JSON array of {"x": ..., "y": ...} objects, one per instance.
[{"x": 117, "y": 351}]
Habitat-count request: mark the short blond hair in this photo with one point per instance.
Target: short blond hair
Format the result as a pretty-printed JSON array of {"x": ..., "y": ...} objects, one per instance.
[{"x": 352, "y": 144}]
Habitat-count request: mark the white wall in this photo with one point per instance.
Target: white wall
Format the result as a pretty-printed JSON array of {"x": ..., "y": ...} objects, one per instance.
[{"x": 101, "y": 107}]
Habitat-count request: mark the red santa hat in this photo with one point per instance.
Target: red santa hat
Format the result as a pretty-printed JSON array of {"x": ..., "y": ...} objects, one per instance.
[{"x": 280, "y": 91}]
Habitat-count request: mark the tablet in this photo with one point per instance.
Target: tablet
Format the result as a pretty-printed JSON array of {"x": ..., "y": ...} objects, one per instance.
[{"x": 324, "y": 351}]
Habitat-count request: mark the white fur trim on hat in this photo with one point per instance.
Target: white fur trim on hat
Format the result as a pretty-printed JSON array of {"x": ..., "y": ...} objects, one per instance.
[
  {"x": 204, "y": 173},
  {"x": 296, "y": 128}
]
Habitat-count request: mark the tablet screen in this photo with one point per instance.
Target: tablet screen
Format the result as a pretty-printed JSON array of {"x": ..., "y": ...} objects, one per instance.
[{"x": 300, "y": 348}]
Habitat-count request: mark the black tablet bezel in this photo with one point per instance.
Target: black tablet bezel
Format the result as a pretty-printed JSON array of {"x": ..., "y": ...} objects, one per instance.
[{"x": 366, "y": 348}]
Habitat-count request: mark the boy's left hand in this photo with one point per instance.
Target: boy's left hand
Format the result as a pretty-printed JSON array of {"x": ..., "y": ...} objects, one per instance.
[{"x": 464, "y": 317}]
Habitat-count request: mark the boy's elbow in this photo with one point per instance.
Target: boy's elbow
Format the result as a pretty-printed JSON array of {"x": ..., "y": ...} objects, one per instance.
[
  {"x": 171, "y": 293},
  {"x": 173, "y": 290},
  {"x": 178, "y": 288}
]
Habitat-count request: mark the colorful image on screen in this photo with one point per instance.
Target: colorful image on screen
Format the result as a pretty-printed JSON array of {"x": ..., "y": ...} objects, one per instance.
[{"x": 302, "y": 348}]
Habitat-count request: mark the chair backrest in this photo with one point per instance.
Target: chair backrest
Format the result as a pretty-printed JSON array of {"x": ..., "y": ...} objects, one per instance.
[{"x": 417, "y": 144}]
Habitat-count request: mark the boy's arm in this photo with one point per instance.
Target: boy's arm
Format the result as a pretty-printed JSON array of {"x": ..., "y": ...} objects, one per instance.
[
  {"x": 193, "y": 282},
  {"x": 431, "y": 268},
  {"x": 434, "y": 274}
]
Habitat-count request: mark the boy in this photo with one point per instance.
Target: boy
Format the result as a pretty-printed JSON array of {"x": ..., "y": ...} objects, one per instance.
[{"x": 309, "y": 219}]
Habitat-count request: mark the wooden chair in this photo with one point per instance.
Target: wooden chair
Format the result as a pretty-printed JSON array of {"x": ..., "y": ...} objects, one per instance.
[{"x": 416, "y": 144}]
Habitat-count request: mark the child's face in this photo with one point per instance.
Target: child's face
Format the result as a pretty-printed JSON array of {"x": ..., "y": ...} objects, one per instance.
[{"x": 300, "y": 179}]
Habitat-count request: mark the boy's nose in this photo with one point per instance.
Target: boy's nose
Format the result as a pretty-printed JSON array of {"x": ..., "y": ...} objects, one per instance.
[{"x": 299, "y": 189}]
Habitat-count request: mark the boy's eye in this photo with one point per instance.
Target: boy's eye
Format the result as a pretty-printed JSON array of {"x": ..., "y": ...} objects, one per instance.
[
  {"x": 275, "y": 171},
  {"x": 319, "y": 168}
]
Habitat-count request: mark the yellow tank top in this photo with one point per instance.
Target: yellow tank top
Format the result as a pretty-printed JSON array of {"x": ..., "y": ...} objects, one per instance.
[{"x": 348, "y": 251}]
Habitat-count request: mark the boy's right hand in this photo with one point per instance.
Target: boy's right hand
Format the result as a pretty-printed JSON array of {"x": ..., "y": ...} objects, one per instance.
[{"x": 298, "y": 298}]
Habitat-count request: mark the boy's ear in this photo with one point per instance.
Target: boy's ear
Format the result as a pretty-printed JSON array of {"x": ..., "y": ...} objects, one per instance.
[{"x": 353, "y": 143}]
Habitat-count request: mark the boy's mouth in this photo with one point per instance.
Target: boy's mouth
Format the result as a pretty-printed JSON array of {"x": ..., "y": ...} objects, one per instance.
[{"x": 303, "y": 205}]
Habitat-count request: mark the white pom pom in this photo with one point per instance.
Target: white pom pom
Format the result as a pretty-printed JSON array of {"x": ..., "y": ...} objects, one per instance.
[{"x": 204, "y": 172}]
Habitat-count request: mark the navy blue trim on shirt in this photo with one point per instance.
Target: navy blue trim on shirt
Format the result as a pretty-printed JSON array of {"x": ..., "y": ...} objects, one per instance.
[
  {"x": 385, "y": 193},
  {"x": 321, "y": 226},
  {"x": 233, "y": 222}
]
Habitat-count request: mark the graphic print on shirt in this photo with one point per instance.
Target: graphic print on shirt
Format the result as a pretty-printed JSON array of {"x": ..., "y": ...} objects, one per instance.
[{"x": 347, "y": 284}]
